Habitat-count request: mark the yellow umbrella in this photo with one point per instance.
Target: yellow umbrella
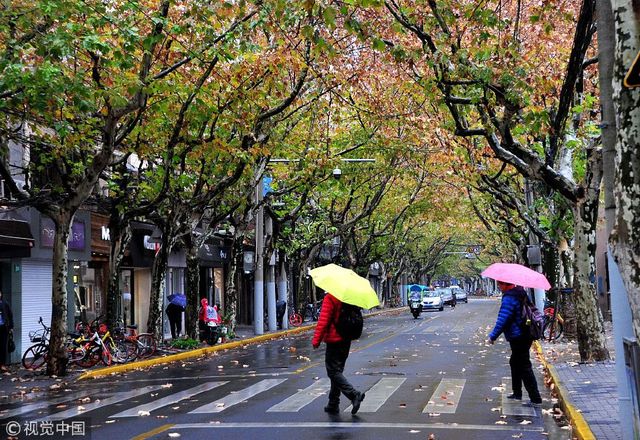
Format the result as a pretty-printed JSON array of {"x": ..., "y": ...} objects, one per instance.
[{"x": 346, "y": 285}]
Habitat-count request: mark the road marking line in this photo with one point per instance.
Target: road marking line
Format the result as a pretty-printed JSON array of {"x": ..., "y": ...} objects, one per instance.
[
  {"x": 378, "y": 394},
  {"x": 512, "y": 407},
  {"x": 235, "y": 398},
  {"x": 303, "y": 397},
  {"x": 81, "y": 410},
  {"x": 173, "y": 398},
  {"x": 446, "y": 397},
  {"x": 149, "y": 434},
  {"x": 357, "y": 424}
]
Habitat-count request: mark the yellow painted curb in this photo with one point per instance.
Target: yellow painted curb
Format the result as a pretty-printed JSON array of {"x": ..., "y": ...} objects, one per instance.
[
  {"x": 203, "y": 351},
  {"x": 581, "y": 429}
]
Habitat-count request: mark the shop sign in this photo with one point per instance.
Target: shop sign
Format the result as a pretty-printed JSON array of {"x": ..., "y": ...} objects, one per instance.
[{"x": 48, "y": 232}]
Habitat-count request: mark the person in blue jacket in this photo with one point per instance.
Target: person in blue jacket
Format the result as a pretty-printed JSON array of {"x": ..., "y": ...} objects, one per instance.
[{"x": 509, "y": 322}]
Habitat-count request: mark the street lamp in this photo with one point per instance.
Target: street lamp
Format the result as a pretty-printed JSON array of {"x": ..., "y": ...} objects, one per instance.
[{"x": 259, "y": 273}]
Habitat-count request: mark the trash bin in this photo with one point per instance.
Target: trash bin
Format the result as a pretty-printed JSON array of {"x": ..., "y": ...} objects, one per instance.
[
  {"x": 281, "y": 307},
  {"x": 632, "y": 369}
]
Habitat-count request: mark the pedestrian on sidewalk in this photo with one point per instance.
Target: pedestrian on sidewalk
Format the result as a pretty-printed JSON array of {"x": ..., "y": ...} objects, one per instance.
[
  {"x": 336, "y": 354},
  {"x": 6, "y": 330},
  {"x": 509, "y": 322},
  {"x": 177, "y": 305}
]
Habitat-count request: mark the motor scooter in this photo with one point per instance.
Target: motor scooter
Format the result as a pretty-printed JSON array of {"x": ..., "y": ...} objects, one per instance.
[
  {"x": 415, "y": 304},
  {"x": 211, "y": 329}
]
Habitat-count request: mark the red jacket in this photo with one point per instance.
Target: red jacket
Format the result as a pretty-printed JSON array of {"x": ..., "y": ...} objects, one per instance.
[{"x": 326, "y": 329}]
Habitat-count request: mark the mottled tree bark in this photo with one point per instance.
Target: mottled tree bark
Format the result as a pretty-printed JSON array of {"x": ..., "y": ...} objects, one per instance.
[
  {"x": 626, "y": 234},
  {"x": 192, "y": 286},
  {"x": 57, "y": 363}
]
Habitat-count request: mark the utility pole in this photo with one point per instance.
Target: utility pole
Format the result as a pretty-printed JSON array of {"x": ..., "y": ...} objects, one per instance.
[
  {"x": 258, "y": 274},
  {"x": 271, "y": 281}
]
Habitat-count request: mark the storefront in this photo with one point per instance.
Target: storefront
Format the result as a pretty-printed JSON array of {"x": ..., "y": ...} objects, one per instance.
[
  {"x": 16, "y": 242},
  {"x": 135, "y": 276},
  {"x": 214, "y": 257}
]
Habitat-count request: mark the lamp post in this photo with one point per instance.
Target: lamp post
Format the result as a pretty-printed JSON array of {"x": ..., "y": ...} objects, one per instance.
[{"x": 259, "y": 272}]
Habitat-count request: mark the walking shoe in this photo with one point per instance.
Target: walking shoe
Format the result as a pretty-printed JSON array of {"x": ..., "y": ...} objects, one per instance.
[
  {"x": 514, "y": 397},
  {"x": 331, "y": 409},
  {"x": 356, "y": 402}
]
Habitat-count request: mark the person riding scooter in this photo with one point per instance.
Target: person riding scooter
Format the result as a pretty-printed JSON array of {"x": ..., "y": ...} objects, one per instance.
[{"x": 209, "y": 321}]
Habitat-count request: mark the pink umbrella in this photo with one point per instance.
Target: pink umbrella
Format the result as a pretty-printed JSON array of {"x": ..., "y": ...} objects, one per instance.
[{"x": 516, "y": 274}]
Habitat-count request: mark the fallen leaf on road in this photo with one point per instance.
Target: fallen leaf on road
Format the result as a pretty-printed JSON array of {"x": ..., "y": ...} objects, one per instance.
[
  {"x": 167, "y": 385},
  {"x": 144, "y": 413},
  {"x": 501, "y": 389},
  {"x": 86, "y": 399},
  {"x": 496, "y": 409},
  {"x": 525, "y": 422},
  {"x": 501, "y": 422}
]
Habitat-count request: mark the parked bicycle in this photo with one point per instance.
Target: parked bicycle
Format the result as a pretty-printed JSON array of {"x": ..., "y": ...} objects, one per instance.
[
  {"x": 553, "y": 327},
  {"x": 310, "y": 312},
  {"x": 553, "y": 324},
  {"x": 37, "y": 355},
  {"x": 145, "y": 344}
]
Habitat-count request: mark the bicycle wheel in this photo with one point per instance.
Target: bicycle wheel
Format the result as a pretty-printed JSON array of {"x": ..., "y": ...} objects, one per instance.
[
  {"x": 35, "y": 356},
  {"x": 91, "y": 357},
  {"x": 552, "y": 331},
  {"x": 122, "y": 351},
  {"x": 146, "y": 345},
  {"x": 295, "y": 319}
]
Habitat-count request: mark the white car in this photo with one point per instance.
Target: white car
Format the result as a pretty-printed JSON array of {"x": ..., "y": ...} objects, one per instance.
[
  {"x": 461, "y": 294},
  {"x": 431, "y": 300}
]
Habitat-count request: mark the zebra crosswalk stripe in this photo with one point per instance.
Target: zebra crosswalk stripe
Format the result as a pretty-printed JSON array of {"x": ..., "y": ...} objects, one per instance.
[
  {"x": 378, "y": 394},
  {"x": 85, "y": 408},
  {"x": 233, "y": 399},
  {"x": 446, "y": 397},
  {"x": 168, "y": 400},
  {"x": 43, "y": 404},
  {"x": 512, "y": 407},
  {"x": 303, "y": 397}
]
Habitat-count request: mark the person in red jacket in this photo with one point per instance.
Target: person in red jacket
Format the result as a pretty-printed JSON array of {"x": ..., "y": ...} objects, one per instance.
[{"x": 336, "y": 356}]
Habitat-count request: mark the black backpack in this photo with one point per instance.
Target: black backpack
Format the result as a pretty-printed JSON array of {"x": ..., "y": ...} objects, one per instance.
[
  {"x": 350, "y": 322},
  {"x": 532, "y": 321}
]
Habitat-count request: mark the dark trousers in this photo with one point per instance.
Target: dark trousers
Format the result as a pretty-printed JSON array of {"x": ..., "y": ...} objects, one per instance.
[
  {"x": 4, "y": 340},
  {"x": 521, "y": 369},
  {"x": 335, "y": 358},
  {"x": 175, "y": 320}
]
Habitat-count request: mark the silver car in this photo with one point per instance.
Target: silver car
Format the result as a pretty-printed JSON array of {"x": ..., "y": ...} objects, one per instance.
[
  {"x": 447, "y": 296},
  {"x": 461, "y": 294}
]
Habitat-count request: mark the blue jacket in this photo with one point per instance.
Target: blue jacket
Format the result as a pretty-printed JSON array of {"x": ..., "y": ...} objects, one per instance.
[{"x": 509, "y": 316}]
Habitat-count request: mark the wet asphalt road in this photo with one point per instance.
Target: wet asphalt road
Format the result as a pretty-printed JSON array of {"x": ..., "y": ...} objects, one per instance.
[{"x": 429, "y": 376}]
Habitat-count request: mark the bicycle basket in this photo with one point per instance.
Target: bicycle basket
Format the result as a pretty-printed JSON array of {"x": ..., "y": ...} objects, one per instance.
[{"x": 36, "y": 335}]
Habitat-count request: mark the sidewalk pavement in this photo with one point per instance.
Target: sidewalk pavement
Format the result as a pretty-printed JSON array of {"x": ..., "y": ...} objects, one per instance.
[{"x": 586, "y": 392}]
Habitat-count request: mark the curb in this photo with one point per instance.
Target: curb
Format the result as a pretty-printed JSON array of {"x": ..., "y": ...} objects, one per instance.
[
  {"x": 581, "y": 429},
  {"x": 207, "y": 350}
]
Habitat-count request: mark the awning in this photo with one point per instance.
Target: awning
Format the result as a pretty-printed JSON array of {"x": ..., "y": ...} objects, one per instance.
[{"x": 15, "y": 233}]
